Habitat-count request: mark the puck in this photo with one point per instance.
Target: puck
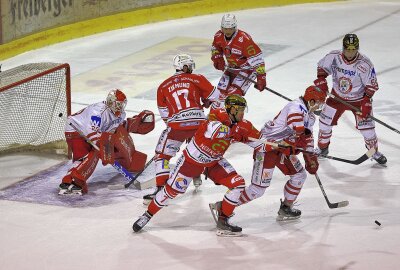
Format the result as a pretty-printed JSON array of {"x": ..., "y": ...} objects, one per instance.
[
  {"x": 60, "y": 114},
  {"x": 377, "y": 223}
]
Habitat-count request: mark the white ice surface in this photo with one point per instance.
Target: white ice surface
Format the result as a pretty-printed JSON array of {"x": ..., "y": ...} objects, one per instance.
[{"x": 181, "y": 236}]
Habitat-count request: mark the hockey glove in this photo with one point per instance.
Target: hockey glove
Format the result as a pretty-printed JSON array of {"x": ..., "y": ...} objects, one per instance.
[
  {"x": 219, "y": 62},
  {"x": 322, "y": 84},
  {"x": 142, "y": 123},
  {"x": 311, "y": 163},
  {"x": 366, "y": 107},
  {"x": 261, "y": 82},
  {"x": 239, "y": 133},
  {"x": 287, "y": 149},
  {"x": 304, "y": 139}
]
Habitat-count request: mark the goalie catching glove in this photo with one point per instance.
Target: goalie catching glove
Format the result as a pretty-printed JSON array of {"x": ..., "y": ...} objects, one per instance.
[{"x": 142, "y": 123}]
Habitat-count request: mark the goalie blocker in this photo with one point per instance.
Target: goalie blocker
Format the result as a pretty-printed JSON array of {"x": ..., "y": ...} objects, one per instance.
[{"x": 103, "y": 123}]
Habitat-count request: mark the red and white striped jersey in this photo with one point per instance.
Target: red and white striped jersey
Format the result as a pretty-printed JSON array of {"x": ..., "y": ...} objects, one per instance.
[
  {"x": 93, "y": 120},
  {"x": 294, "y": 117},
  {"x": 178, "y": 100},
  {"x": 212, "y": 140},
  {"x": 239, "y": 51},
  {"x": 350, "y": 79}
]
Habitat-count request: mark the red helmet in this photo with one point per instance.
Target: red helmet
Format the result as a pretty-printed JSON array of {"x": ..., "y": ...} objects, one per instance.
[
  {"x": 313, "y": 92},
  {"x": 116, "y": 101}
]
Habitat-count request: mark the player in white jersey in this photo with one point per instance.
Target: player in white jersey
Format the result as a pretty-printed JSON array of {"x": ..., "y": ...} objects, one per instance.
[
  {"x": 104, "y": 124},
  {"x": 292, "y": 128},
  {"x": 354, "y": 81}
]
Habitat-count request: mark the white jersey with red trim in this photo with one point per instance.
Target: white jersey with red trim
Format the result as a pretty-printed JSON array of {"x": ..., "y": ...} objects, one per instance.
[
  {"x": 350, "y": 79},
  {"x": 294, "y": 116},
  {"x": 93, "y": 120}
]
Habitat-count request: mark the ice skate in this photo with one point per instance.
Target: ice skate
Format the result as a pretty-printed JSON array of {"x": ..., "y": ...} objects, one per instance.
[
  {"x": 69, "y": 189},
  {"x": 149, "y": 197},
  {"x": 322, "y": 152},
  {"x": 224, "y": 227},
  {"x": 380, "y": 158},
  {"x": 287, "y": 213},
  {"x": 197, "y": 183},
  {"x": 141, "y": 222}
]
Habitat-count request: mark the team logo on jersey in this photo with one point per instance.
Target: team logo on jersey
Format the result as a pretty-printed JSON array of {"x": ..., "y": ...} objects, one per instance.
[
  {"x": 95, "y": 122},
  {"x": 181, "y": 183},
  {"x": 345, "y": 85},
  {"x": 227, "y": 51},
  {"x": 176, "y": 80}
]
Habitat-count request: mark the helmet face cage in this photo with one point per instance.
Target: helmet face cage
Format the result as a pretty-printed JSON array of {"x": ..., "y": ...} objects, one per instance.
[
  {"x": 182, "y": 60},
  {"x": 116, "y": 101},
  {"x": 351, "y": 42},
  {"x": 314, "y": 93},
  {"x": 229, "y": 21}
]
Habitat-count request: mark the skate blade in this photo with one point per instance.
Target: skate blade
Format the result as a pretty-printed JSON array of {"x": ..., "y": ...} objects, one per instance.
[
  {"x": 224, "y": 233},
  {"x": 285, "y": 218},
  {"x": 213, "y": 211},
  {"x": 69, "y": 193}
]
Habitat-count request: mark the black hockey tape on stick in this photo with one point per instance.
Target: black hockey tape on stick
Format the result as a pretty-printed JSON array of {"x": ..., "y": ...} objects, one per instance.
[
  {"x": 330, "y": 205},
  {"x": 359, "y": 111},
  {"x": 236, "y": 72},
  {"x": 357, "y": 161}
]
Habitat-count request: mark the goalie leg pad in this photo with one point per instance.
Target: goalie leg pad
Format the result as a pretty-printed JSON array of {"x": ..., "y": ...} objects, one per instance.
[
  {"x": 82, "y": 170},
  {"x": 106, "y": 152}
]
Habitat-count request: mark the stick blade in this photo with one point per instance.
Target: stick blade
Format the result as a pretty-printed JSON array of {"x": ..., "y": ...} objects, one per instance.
[
  {"x": 339, "y": 204},
  {"x": 116, "y": 187}
]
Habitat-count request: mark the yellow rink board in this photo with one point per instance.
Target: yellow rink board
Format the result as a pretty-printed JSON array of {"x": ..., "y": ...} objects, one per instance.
[{"x": 143, "y": 70}]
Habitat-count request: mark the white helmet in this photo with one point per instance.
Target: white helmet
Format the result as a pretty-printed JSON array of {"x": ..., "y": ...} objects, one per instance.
[
  {"x": 228, "y": 21},
  {"x": 181, "y": 60}
]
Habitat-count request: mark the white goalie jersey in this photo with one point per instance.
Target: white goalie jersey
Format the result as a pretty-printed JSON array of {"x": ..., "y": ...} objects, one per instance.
[
  {"x": 294, "y": 116},
  {"x": 93, "y": 120},
  {"x": 350, "y": 79}
]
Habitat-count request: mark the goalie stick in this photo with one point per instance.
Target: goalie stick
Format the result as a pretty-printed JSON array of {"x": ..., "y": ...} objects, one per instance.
[
  {"x": 330, "y": 205},
  {"x": 133, "y": 179},
  {"x": 357, "y": 161}
]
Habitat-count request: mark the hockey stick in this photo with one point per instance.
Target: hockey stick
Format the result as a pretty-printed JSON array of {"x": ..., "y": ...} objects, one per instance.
[
  {"x": 330, "y": 205},
  {"x": 357, "y": 161},
  {"x": 131, "y": 181},
  {"x": 116, "y": 164},
  {"x": 234, "y": 71},
  {"x": 359, "y": 111}
]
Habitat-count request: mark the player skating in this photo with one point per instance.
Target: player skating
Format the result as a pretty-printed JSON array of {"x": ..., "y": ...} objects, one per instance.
[
  {"x": 354, "y": 81},
  {"x": 204, "y": 154},
  {"x": 180, "y": 100},
  {"x": 291, "y": 128},
  {"x": 242, "y": 54}
]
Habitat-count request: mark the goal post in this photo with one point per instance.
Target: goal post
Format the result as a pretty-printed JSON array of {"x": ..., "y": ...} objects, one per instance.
[{"x": 32, "y": 96}]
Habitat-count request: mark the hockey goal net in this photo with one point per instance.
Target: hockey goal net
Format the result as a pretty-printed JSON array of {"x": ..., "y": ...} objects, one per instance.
[{"x": 32, "y": 98}]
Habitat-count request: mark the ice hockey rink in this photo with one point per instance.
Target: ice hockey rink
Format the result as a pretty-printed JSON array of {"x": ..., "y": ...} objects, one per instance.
[{"x": 41, "y": 230}]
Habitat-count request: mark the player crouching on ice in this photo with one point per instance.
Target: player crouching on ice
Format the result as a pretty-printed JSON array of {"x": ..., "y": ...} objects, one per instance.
[
  {"x": 204, "y": 154},
  {"x": 104, "y": 124},
  {"x": 291, "y": 128}
]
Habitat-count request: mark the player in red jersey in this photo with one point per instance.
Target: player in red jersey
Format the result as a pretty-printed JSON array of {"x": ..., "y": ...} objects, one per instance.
[
  {"x": 204, "y": 154},
  {"x": 180, "y": 101},
  {"x": 241, "y": 53}
]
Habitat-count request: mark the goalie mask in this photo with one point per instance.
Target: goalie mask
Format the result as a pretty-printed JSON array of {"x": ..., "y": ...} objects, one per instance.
[
  {"x": 116, "y": 101},
  {"x": 314, "y": 97},
  {"x": 182, "y": 60},
  {"x": 235, "y": 106}
]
